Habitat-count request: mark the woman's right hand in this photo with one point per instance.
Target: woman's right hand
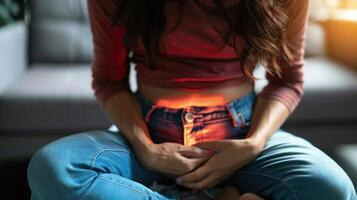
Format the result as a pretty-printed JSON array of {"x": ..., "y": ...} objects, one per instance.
[{"x": 172, "y": 159}]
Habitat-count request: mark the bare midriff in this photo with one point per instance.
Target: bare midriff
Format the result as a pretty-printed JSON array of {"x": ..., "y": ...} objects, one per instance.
[{"x": 177, "y": 98}]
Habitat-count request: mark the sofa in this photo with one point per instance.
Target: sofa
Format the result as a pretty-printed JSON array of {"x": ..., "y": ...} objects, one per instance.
[
  {"x": 51, "y": 95},
  {"x": 48, "y": 94}
]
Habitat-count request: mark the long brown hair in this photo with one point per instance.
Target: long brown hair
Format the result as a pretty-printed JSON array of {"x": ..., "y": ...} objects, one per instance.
[{"x": 260, "y": 23}]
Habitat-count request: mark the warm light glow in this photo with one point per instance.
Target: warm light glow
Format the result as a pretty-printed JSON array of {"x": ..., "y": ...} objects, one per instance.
[
  {"x": 333, "y": 3},
  {"x": 192, "y": 100},
  {"x": 345, "y": 14},
  {"x": 346, "y": 4},
  {"x": 210, "y": 133}
]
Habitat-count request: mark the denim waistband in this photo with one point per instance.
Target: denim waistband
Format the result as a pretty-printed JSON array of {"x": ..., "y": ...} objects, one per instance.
[{"x": 236, "y": 108}]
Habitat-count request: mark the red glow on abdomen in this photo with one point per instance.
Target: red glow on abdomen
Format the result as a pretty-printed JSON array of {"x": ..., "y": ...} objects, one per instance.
[{"x": 192, "y": 100}]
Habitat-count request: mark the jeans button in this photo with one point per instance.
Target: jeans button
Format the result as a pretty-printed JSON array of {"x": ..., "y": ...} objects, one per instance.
[{"x": 189, "y": 117}]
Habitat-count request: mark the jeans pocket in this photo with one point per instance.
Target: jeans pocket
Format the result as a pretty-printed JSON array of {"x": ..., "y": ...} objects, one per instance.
[
  {"x": 240, "y": 117},
  {"x": 241, "y": 113}
]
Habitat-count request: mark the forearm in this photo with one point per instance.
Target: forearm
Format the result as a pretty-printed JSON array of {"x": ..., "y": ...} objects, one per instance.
[
  {"x": 268, "y": 116},
  {"x": 124, "y": 110}
]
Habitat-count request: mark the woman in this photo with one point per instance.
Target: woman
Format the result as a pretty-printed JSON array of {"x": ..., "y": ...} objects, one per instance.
[{"x": 195, "y": 128}]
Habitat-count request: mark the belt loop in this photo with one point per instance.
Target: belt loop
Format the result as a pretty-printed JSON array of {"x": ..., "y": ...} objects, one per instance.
[
  {"x": 148, "y": 114},
  {"x": 235, "y": 123},
  {"x": 242, "y": 119}
]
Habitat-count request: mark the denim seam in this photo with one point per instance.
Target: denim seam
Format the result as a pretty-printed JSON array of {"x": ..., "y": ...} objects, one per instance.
[
  {"x": 94, "y": 159},
  {"x": 174, "y": 122},
  {"x": 217, "y": 120},
  {"x": 124, "y": 185},
  {"x": 272, "y": 177},
  {"x": 230, "y": 110},
  {"x": 118, "y": 131}
]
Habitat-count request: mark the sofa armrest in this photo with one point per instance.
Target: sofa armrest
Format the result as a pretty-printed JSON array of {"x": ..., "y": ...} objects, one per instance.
[{"x": 13, "y": 48}]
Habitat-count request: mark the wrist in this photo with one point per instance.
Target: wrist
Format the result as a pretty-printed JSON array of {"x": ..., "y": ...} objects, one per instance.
[
  {"x": 144, "y": 151},
  {"x": 141, "y": 144},
  {"x": 257, "y": 144}
]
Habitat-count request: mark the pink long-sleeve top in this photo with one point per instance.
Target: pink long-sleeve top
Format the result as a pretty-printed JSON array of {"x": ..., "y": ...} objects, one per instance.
[{"x": 194, "y": 56}]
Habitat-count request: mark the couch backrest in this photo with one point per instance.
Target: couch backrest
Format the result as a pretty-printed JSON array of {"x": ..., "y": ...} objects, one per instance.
[{"x": 60, "y": 32}]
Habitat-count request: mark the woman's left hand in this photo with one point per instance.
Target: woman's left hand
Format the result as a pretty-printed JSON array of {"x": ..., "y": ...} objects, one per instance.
[{"x": 227, "y": 156}]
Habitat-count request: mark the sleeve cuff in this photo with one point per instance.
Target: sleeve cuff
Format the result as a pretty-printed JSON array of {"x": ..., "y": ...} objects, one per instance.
[{"x": 284, "y": 95}]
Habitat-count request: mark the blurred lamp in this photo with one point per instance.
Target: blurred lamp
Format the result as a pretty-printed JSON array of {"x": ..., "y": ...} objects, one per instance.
[
  {"x": 343, "y": 9},
  {"x": 341, "y": 31}
]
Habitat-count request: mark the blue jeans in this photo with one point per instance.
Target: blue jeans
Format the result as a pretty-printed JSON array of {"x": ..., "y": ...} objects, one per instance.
[{"x": 101, "y": 165}]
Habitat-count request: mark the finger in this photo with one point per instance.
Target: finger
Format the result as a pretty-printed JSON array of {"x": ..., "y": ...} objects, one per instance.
[
  {"x": 202, "y": 184},
  {"x": 194, "y": 176},
  {"x": 216, "y": 145},
  {"x": 193, "y": 152},
  {"x": 213, "y": 179},
  {"x": 196, "y": 162},
  {"x": 188, "y": 164}
]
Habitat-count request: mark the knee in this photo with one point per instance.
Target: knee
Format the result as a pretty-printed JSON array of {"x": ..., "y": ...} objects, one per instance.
[
  {"x": 46, "y": 172},
  {"x": 40, "y": 162},
  {"x": 327, "y": 185},
  {"x": 335, "y": 186}
]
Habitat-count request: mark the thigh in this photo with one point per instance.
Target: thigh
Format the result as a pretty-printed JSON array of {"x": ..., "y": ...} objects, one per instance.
[
  {"x": 290, "y": 167},
  {"x": 73, "y": 160}
]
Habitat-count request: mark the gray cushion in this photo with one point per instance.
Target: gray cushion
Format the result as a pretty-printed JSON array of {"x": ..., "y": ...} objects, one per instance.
[
  {"x": 60, "y": 32},
  {"x": 330, "y": 93},
  {"x": 50, "y": 97},
  {"x": 13, "y": 53}
]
